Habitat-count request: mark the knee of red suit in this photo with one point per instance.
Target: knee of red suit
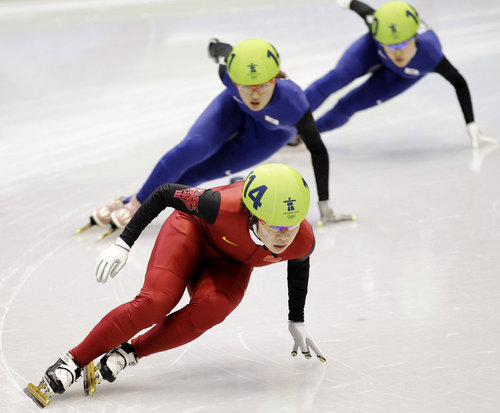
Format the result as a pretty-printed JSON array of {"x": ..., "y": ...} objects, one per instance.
[{"x": 209, "y": 311}]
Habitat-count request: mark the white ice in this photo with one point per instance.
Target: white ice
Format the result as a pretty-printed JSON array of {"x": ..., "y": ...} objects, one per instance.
[{"x": 405, "y": 304}]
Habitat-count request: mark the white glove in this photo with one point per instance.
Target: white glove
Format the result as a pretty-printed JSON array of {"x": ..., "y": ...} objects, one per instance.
[
  {"x": 345, "y": 4},
  {"x": 303, "y": 339},
  {"x": 111, "y": 260},
  {"x": 327, "y": 214},
  {"x": 476, "y": 136}
]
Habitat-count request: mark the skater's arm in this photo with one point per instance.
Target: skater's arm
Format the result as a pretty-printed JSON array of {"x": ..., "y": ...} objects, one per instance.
[
  {"x": 298, "y": 279},
  {"x": 452, "y": 75},
  {"x": 307, "y": 129},
  {"x": 203, "y": 203}
]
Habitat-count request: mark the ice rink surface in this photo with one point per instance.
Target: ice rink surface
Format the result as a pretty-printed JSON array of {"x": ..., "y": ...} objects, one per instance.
[{"x": 405, "y": 303}]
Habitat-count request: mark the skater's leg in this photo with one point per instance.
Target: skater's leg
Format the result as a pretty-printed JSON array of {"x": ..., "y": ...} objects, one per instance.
[
  {"x": 355, "y": 62},
  {"x": 175, "y": 259},
  {"x": 379, "y": 87},
  {"x": 220, "y": 120},
  {"x": 253, "y": 145},
  {"x": 217, "y": 292}
]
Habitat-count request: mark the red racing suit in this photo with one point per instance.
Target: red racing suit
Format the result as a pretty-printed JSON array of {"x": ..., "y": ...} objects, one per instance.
[{"x": 205, "y": 247}]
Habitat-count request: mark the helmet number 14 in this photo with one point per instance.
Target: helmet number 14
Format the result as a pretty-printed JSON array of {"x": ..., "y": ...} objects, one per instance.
[{"x": 255, "y": 194}]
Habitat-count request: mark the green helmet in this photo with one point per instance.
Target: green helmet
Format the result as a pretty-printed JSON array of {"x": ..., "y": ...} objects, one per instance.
[
  {"x": 395, "y": 22},
  {"x": 276, "y": 194},
  {"x": 253, "y": 62}
]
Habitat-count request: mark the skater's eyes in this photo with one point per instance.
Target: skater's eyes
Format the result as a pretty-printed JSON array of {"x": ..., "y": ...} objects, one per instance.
[
  {"x": 399, "y": 46},
  {"x": 249, "y": 89},
  {"x": 277, "y": 228}
]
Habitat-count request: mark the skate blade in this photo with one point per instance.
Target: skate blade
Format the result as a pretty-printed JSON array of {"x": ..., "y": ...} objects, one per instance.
[
  {"x": 89, "y": 225},
  {"x": 108, "y": 232},
  {"x": 35, "y": 394},
  {"x": 91, "y": 378}
]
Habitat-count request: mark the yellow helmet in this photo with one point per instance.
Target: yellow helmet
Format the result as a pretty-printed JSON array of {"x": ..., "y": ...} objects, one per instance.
[
  {"x": 253, "y": 62},
  {"x": 277, "y": 194},
  {"x": 395, "y": 22}
]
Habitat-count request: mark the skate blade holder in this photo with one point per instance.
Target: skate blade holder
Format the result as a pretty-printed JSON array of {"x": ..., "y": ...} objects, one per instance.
[
  {"x": 91, "y": 378},
  {"x": 108, "y": 232},
  {"x": 36, "y": 394}
]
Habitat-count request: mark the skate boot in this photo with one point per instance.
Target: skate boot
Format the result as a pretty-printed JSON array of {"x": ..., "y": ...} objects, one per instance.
[
  {"x": 102, "y": 216},
  {"x": 108, "y": 367},
  {"x": 57, "y": 378},
  {"x": 122, "y": 216},
  {"x": 218, "y": 51}
]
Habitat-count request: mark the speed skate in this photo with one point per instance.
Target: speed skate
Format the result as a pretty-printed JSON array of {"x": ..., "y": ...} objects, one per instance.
[{"x": 40, "y": 394}]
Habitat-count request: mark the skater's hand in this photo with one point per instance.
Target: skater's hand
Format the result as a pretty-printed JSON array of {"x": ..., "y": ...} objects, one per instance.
[
  {"x": 345, "y": 4},
  {"x": 111, "y": 260},
  {"x": 303, "y": 339},
  {"x": 327, "y": 214},
  {"x": 476, "y": 136}
]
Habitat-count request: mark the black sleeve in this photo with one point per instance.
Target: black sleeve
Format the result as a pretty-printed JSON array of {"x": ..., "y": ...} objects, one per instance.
[
  {"x": 452, "y": 75},
  {"x": 364, "y": 11},
  {"x": 203, "y": 203},
  {"x": 307, "y": 129},
  {"x": 298, "y": 278}
]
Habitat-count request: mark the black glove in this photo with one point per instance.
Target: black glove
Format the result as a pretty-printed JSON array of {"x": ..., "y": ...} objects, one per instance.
[{"x": 219, "y": 51}]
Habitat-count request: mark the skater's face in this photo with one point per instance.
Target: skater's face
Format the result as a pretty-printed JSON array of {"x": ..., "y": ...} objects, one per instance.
[
  {"x": 276, "y": 239},
  {"x": 402, "y": 53},
  {"x": 256, "y": 97}
]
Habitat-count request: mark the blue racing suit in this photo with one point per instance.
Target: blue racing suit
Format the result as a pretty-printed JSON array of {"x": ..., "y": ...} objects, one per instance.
[
  {"x": 229, "y": 137},
  {"x": 387, "y": 80}
]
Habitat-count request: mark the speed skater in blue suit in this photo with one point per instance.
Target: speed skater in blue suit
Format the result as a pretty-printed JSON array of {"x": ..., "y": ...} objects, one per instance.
[
  {"x": 257, "y": 113},
  {"x": 399, "y": 50}
]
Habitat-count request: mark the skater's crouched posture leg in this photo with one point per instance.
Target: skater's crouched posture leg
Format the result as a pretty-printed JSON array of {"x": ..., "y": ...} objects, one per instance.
[
  {"x": 169, "y": 269},
  {"x": 215, "y": 293},
  {"x": 180, "y": 260}
]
